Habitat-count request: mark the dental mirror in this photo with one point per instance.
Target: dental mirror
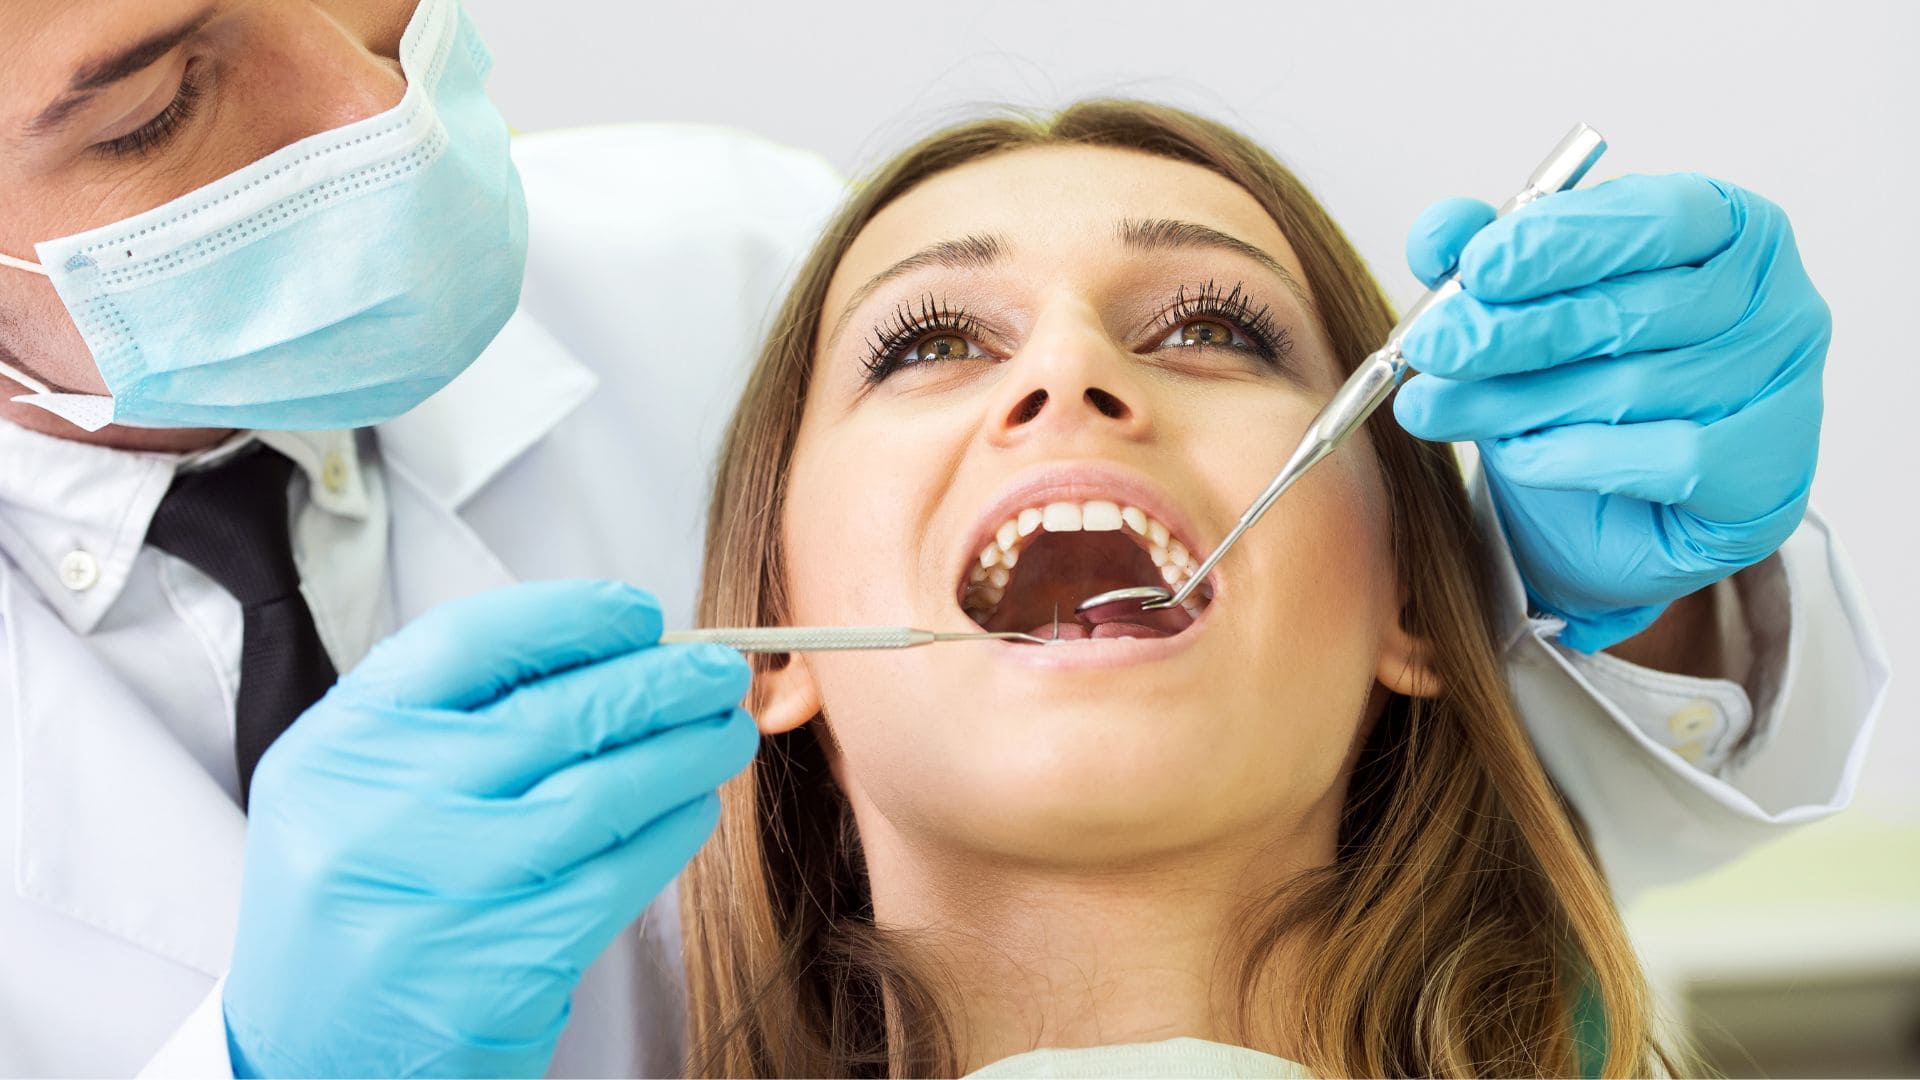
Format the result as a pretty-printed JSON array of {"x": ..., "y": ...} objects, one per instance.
[{"x": 1116, "y": 605}]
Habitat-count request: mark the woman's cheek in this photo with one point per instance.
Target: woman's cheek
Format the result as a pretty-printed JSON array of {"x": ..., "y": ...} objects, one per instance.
[
  {"x": 1327, "y": 572},
  {"x": 847, "y": 538}
]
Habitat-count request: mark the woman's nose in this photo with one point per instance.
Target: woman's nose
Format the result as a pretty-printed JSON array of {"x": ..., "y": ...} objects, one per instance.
[{"x": 1072, "y": 382}]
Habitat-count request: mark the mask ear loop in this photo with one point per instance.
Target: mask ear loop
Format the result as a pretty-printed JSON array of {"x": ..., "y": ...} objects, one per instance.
[
  {"x": 6, "y": 369},
  {"x": 22, "y": 264}
]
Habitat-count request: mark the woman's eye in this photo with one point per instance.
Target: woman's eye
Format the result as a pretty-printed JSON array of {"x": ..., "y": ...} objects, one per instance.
[
  {"x": 941, "y": 347},
  {"x": 1204, "y": 332}
]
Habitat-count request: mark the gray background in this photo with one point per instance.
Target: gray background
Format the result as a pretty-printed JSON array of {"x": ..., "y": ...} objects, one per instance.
[{"x": 1382, "y": 108}]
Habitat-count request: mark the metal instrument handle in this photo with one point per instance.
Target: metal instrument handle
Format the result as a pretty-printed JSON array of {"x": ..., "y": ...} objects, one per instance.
[{"x": 779, "y": 639}]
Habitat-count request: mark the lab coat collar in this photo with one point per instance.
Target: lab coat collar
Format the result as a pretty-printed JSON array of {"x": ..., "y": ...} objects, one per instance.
[
  {"x": 74, "y": 515},
  {"x": 513, "y": 396},
  {"x": 119, "y": 827}
]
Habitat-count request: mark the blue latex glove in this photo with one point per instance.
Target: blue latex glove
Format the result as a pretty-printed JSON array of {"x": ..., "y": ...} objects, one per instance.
[
  {"x": 443, "y": 844},
  {"x": 1639, "y": 363}
]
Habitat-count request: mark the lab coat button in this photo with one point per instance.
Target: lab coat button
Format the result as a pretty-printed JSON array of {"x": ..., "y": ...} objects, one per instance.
[
  {"x": 333, "y": 474},
  {"x": 79, "y": 570},
  {"x": 1693, "y": 721}
]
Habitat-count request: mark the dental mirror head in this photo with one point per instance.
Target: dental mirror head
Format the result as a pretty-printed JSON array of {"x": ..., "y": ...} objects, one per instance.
[{"x": 1117, "y": 605}]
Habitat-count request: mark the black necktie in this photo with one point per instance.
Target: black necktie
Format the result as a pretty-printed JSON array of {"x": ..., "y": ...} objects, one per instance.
[{"x": 231, "y": 523}]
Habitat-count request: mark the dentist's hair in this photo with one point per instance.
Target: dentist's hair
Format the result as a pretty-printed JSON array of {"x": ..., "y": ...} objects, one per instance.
[{"x": 1463, "y": 928}]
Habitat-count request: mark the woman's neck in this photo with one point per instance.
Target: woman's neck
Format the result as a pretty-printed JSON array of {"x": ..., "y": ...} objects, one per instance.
[{"x": 1034, "y": 958}]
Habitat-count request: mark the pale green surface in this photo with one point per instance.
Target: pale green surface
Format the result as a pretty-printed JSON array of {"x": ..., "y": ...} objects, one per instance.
[
  {"x": 1840, "y": 897},
  {"x": 1848, "y": 858},
  {"x": 1802, "y": 959},
  {"x": 1169, "y": 1058}
]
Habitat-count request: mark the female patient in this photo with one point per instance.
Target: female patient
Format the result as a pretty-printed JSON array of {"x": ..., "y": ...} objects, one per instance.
[{"x": 1030, "y": 362}]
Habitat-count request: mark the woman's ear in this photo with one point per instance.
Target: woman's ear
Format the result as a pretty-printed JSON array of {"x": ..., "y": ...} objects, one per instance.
[
  {"x": 786, "y": 697},
  {"x": 1407, "y": 662}
]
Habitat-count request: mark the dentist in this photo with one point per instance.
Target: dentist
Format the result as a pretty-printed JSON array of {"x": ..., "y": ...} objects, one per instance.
[{"x": 298, "y": 404}]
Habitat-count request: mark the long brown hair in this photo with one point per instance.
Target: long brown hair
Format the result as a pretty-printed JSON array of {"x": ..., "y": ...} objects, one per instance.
[{"x": 1463, "y": 928}]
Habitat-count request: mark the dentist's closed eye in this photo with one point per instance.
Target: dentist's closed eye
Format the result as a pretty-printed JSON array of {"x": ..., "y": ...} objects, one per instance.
[
  {"x": 157, "y": 132},
  {"x": 929, "y": 331}
]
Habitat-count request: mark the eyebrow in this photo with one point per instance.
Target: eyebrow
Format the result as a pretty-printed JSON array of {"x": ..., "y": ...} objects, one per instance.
[
  {"x": 980, "y": 251},
  {"x": 97, "y": 75},
  {"x": 975, "y": 252},
  {"x": 1161, "y": 234}
]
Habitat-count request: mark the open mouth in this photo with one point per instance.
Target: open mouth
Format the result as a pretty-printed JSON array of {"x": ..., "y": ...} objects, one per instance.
[{"x": 1045, "y": 559}]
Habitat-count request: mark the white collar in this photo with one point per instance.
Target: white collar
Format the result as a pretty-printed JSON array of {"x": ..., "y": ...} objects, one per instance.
[{"x": 74, "y": 515}]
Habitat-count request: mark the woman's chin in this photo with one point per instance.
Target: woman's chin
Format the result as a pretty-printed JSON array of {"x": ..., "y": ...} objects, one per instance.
[
  {"x": 1091, "y": 784},
  {"x": 1099, "y": 830}
]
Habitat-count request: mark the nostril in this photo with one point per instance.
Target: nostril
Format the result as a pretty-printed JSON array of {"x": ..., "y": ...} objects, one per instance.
[
  {"x": 1110, "y": 407},
  {"x": 1028, "y": 408}
]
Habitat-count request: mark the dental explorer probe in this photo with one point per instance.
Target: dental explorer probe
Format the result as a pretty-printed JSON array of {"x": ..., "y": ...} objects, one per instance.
[
  {"x": 1357, "y": 398},
  {"x": 782, "y": 639}
]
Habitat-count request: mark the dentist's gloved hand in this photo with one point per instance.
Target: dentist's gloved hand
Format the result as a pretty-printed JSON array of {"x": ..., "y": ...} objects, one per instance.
[
  {"x": 1639, "y": 363},
  {"x": 443, "y": 844}
]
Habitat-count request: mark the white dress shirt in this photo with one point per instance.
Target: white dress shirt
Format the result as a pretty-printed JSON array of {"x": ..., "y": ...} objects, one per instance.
[{"x": 74, "y": 517}]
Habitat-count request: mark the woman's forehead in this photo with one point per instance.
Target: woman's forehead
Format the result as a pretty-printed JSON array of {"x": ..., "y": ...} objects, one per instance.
[{"x": 1056, "y": 203}]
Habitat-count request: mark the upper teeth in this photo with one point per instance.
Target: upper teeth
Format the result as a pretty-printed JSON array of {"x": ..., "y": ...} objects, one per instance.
[{"x": 987, "y": 580}]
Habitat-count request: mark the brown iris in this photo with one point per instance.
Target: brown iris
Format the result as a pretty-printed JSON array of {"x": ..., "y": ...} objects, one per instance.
[
  {"x": 941, "y": 347},
  {"x": 1206, "y": 332}
]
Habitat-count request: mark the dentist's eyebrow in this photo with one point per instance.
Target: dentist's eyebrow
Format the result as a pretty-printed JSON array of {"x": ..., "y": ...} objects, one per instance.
[
  {"x": 1161, "y": 234},
  {"x": 967, "y": 253},
  {"x": 96, "y": 75}
]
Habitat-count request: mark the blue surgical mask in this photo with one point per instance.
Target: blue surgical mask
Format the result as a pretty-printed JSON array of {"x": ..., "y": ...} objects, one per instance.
[{"x": 337, "y": 283}]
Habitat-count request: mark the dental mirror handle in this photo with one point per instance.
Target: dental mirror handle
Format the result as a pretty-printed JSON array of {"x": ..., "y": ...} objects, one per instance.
[
  {"x": 1379, "y": 373},
  {"x": 782, "y": 639}
]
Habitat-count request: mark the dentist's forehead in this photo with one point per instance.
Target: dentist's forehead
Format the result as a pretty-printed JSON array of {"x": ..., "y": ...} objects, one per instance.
[{"x": 1055, "y": 200}]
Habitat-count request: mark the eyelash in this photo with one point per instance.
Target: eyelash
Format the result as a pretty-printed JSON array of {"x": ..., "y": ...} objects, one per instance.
[
  {"x": 1271, "y": 341},
  {"x": 156, "y": 132},
  {"x": 909, "y": 325},
  {"x": 914, "y": 322}
]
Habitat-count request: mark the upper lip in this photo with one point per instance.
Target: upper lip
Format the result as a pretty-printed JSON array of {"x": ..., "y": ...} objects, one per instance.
[{"x": 1076, "y": 482}]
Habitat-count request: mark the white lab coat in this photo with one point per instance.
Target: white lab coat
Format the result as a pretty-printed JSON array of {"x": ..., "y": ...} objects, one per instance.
[{"x": 580, "y": 445}]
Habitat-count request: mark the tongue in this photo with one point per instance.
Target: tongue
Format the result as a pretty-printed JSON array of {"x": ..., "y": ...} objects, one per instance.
[{"x": 1075, "y": 632}]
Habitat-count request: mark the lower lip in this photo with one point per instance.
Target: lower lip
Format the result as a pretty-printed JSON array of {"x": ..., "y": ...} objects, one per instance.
[{"x": 1091, "y": 653}]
